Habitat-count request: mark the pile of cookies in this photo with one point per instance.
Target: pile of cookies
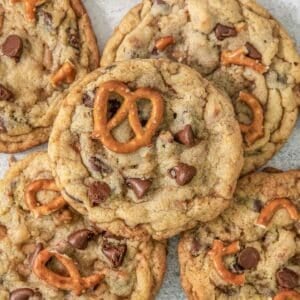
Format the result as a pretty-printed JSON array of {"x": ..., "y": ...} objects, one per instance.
[{"x": 166, "y": 137}]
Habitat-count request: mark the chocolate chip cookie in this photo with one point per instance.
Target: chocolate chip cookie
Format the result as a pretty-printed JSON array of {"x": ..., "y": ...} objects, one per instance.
[
  {"x": 253, "y": 250},
  {"x": 146, "y": 147},
  {"x": 45, "y": 46},
  {"x": 48, "y": 251},
  {"x": 236, "y": 44}
]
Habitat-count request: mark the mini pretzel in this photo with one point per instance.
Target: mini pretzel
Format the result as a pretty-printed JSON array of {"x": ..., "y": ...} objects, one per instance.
[
  {"x": 66, "y": 73},
  {"x": 31, "y": 199},
  {"x": 238, "y": 57},
  {"x": 103, "y": 126},
  {"x": 287, "y": 295},
  {"x": 164, "y": 42},
  {"x": 74, "y": 282},
  {"x": 217, "y": 253},
  {"x": 272, "y": 206},
  {"x": 30, "y": 7},
  {"x": 255, "y": 130}
]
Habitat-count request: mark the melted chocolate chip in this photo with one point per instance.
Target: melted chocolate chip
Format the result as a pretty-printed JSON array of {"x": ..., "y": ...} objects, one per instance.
[
  {"x": 38, "y": 248},
  {"x": 115, "y": 253},
  {"x": 80, "y": 239},
  {"x": 21, "y": 294},
  {"x": 139, "y": 186},
  {"x": 223, "y": 32},
  {"x": 13, "y": 47},
  {"x": 113, "y": 107},
  {"x": 183, "y": 173},
  {"x": 248, "y": 258},
  {"x": 253, "y": 52},
  {"x": 287, "y": 278},
  {"x": 88, "y": 100},
  {"x": 257, "y": 205},
  {"x": 99, "y": 166},
  {"x": 5, "y": 94},
  {"x": 186, "y": 136},
  {"x": 98, "y": 192}
]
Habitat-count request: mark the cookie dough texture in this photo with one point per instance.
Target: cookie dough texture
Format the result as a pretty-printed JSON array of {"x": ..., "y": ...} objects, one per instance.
[
  {"x": 61, "y": 32},
  {"x": 192, "y": 24},
  {"x": 138, "y": 277},
  {"x": 167, "y": 208},
  {"x": 278, "y": 244}
]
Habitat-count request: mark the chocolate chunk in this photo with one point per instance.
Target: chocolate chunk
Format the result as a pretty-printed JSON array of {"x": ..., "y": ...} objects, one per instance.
[
  {"x": 257, "y": 205},
  {"x": 183, "y": 173},
  {"x": 295, "y": 260},
  {"x": 98, "y": 192},
  {"x": 248, "y": 258},
  {"x": 115, "y": 253},
  {"x": 13, "y": 47},
  {"x": 223, "y": 32},
  {"x": 88, "y": 100},
  {"x": 287, "y": 278},
  {"x": 185, "y": 136},
  {"x": 21, "y": 294},
  {"x": 99, "y": 166},
  {"x": 113, "y": 107},
  {"x": 253, "y": 52},
  {"x": 38, "y": 248},
  {"x": 80, "y": 239},
  {"x": 139, "y": 186},
  {"x": 5, "y": 94}
]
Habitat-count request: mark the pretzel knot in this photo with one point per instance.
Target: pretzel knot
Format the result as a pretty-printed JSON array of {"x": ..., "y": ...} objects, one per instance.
[
  {"x": 31, "y": 199},
  {"x": 66, "y": 73},
  {"x": 30, "y": 7},
  {"x": 238, "y": 57},
  {"x": 272, "y": 206},
  {"x": 255, "y": 130},
  {"x": 287, "y": 295},
  {"x": 217, "y": 253},
  {"x": 103, "y": 127},
  {"x": 74, "y": 282}
]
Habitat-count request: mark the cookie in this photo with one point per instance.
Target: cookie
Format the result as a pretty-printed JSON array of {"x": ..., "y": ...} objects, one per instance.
[
  {"x": 45, "y": 46},
  {"x": 236, "y": 44},
  {"x": 48, "y": 251},
  {"x": 146, "y": 147},
  {"x": 252, "y": 251}
]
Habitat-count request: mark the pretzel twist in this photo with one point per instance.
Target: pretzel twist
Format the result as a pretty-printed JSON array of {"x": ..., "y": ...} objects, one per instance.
[
  {"x": 30, "y": 7},
  {"x": 287, "y": 295},
  {"x": 238, "y": 57},
  {"x": 217, "y": 253},
  {"x": 74, "y": 282},
  {"x": 65, "y": 74},
  {"x": 255, "y": 130},
  {"x": 103, "y": 127},
  {"x": 31, "y": 199},
  {"x": 272, "y": 206}
]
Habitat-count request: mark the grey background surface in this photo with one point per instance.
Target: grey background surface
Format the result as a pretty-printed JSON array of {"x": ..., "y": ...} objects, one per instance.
[{"x": 105, "y": 15}]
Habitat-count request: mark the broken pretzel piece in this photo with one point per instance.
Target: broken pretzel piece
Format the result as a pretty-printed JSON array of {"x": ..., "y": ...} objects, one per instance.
[
  {"x": 272, "y": 206},
  {"x": 30, "y": 7},
  {"x": 164, "y": 42},
  {"x": 66, "y": 74},
  {"x": 287, "y": 295},
  {"x": 217, "y": 253}
]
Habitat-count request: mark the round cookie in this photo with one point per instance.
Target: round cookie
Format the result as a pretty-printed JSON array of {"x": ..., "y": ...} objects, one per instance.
[
  {"x": 137, "y": 168},
  {"x": 236, "y": 44},
  {"x": 45, "y": 46},
  {"x": 251, "y": 251},
  {"x": 50, "y": 252}
]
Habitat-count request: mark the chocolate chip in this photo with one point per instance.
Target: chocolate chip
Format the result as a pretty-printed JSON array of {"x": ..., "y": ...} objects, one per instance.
[
  {"x": 80, "y": 239},
  {"x": 13, "y": 47},
  {"x": 115, "y": 253},
  {"x": 248, "y": 258},
  {"x": 98, "y": 192},
  {"x": 253, "y": 52},
  {"x": 88, "y": 100},
  {"x": 223, "y": 32},
  {"x": 73, "y": 38},
  {"x": 185, "y": 136},
  {"x": 5, "y": 94},
  {"x": 113, "y": 107},
  {"x": 295, "y": 260},
  {"x": 183, "y": 173},
  {"x": 139, "y": 186},
  {"x": 38, "y": 248},
  {"x": 99, "y": 166},
  {"x": 21, "y": 294},
  {"x": 257, "y": 205},
  {"x": 287, "y": 278}
]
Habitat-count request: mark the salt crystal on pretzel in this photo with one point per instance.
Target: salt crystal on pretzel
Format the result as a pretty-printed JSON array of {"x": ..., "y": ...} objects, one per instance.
[
  {"x": 217, "y": 254},
  {"x": 66, "y": 74},
  {"x": 30, "y": 7}
]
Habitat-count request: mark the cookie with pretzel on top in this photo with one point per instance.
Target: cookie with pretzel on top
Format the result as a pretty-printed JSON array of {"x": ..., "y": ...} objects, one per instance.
[
  {"x": 48, "y": 251},
  {"x": 252, "y": 251},
  {"x": 237, "y": 45}
]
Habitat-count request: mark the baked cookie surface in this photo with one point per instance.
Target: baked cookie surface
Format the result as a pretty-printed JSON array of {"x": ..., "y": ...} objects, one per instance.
[
  {"x": 252, "y": 250},
  {"x": 48, "y": 251},
  {"x": 146, "y": 146},
  {"x": 236, "y": 44},
  {"x": 45, "y": 46}
]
